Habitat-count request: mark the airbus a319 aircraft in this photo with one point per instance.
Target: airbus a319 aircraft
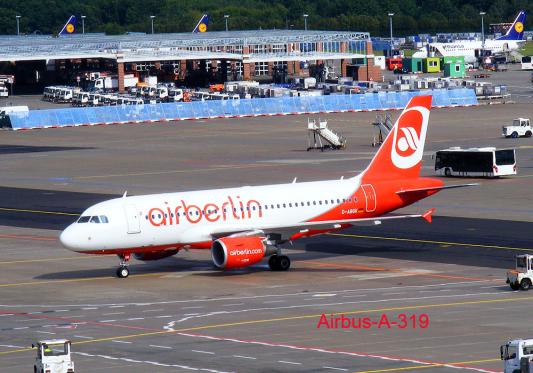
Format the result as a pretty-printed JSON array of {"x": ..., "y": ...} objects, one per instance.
[{"x": 241, "y": 226}]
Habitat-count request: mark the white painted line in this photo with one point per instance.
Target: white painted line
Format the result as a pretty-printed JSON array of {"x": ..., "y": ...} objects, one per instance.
[
  {"x": 230, "y": 305},
  {"x": 125, "y": 342},
  {"x": 113, "y": 313},
  {"x": 116, "y": 306},
  {"x": 324, "y": 295},
  {"x": 135, "y": 318},
  {"x": 245, "y": 357},
  {"x": 190, "y": 314},
  {"x": 392, "y": 293},
  {"x": 34, "y": 313},
  {"x": 11, "y": 346},
  {"x": 61, "y": 310},
  {"x": 342, "y": 369},
  {"x": 39, "y": 331},
  {"x": 23, "y": 327},
  {"x": 7, "y": 314},
  {"x": 163, "y": 317},
  {"x": 89, "y": 308},
  {"x": 107, "y": 320},
  {"x": 273, "y": 301},
  {"x": 203, "y": 352},
  {"x": 288, "y": 362},
  {"x": 191, "y": 307},
  {"x": 165, "y": 347},
  {"x": 161, "y": 309},
  {"x": 83, "y": 337}
]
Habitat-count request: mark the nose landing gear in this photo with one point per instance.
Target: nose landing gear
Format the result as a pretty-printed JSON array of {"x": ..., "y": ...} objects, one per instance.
[{"x": 122, "y": 270}]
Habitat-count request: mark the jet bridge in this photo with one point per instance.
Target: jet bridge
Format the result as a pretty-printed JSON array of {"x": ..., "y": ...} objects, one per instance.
[{"x": 319, "y": 136}]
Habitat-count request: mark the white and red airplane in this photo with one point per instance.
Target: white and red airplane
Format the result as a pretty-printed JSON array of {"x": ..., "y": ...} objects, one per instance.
[{"x": 243, "y": 225}]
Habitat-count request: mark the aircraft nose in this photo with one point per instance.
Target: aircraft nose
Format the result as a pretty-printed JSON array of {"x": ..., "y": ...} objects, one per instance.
[{"x": 68, "y": 238}]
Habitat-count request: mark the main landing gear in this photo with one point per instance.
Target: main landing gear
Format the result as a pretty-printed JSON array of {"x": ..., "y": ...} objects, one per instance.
[
  {"x": 279, "y": 262},
  {"x": 122, "y": 270}
]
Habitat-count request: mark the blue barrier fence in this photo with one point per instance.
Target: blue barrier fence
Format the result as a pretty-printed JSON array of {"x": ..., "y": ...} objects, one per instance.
[{"x": 234, "y": 108}]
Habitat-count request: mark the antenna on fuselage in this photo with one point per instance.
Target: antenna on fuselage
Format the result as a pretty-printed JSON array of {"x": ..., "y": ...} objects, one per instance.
[{"x": 125, "y": 194}]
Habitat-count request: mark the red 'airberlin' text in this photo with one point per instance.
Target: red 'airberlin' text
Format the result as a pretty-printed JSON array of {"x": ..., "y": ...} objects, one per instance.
[{"x": 231, "y": 208}]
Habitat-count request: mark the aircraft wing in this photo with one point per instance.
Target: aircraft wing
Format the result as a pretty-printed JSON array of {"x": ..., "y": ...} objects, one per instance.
[{"x": 308, "y": 229}]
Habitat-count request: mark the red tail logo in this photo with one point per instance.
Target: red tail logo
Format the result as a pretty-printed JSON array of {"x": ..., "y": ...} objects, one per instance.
[{"x": 401, "y": 154}]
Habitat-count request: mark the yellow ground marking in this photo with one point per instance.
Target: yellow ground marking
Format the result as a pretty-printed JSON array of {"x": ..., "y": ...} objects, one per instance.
[
  {"x": 429, "y": 241},
  {"x": 300, "y": 317},
  {"x": 434, "y": 365},
  {"x": 52, "y": 259},
  {"x": 33, "y": 283},
  {"x": 38, "y": 211}
]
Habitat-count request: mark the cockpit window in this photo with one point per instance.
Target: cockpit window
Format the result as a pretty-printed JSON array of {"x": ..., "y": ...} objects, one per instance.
[
  {"x": 84, "y": 219},
  {"x": 95, "y": 219},
  {"x": 103, "y": 219}
]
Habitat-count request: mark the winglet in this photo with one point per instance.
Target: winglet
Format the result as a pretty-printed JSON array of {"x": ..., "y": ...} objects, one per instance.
[{"x": 428, "y": 215}]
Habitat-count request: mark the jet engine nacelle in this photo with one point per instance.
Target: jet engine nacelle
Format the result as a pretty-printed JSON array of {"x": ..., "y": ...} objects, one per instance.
[
  {"x": 154, "y": 255},
  {"x": 237, "y": 252}
]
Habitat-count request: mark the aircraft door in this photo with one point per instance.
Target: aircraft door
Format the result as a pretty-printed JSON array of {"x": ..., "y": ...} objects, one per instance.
[
  {"x": 132, "y": 219},
  {"x": 370, "y": 197}
]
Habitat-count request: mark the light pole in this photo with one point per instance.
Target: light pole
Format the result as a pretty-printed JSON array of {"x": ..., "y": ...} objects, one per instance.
[
  {"x": 390, "y": 14},
  {"x": 152, "y": 19},
  {"x": 305, "y": 21},
  {"x": 226, "y": 16},
  {"x": 482, "y": 30},
  {"x": 83, "y": 24},
  {"x": 18, "y": 25}
]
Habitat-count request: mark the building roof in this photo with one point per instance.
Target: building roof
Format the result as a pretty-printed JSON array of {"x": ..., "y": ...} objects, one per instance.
[{"x": 137, "y": 47}]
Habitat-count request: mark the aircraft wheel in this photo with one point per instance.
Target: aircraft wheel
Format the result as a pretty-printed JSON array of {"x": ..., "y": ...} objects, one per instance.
[
  {"x": 123, "y": 272},
  {"x": 273, "y": 262},
  {"x": 284, "y": 263}
]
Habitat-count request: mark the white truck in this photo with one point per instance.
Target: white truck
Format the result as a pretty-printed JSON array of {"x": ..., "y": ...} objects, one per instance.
[
  {"x": 108, "y": 83},
  {"x": 520, "y": 127},
  {"x": 53, "y": 356},
  {"x": 517, "y": 356},
  {"x": 522, "y": 276}
]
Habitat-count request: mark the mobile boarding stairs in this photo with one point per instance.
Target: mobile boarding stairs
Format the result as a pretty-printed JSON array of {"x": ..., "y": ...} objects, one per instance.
[{"x": 319, "y": 136}]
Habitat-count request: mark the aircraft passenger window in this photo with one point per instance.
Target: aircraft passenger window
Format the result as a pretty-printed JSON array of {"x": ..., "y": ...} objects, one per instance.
[
  {"x": 271, "y": 206},
  {"x": 278, "y": 205},
  {"x": 197, "y": 213},
  {"x": 159, "y": 216},
  {"x": 355, "y": 199},
  {"x": 308, "y": 203},
  {"x": 103, "y": 219},
  {"x": 343, "y": 200},
  {"x": 146, "y": 217},
  {"x": 266, "y": 207},
  {"x": 332, "y": 201},
  {"x": 284, "y": 206},
  {"x": 338, "y": 200},
  {"x": 319, "y": 202},
  {"x": 84, "y": 219},
  {"x": 326, "y": 202},
  {"x": 166, "y": 216},
  {"x": 253, "y": 208},
  {"x": 314, "y": 202},
  {"x": 290, "y": 204},
  {"x": 94, "y": 219},
  {"x": 172, "y": 214}
]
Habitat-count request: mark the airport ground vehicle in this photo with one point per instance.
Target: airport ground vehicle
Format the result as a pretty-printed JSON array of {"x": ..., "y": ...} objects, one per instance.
[
  {"x": 520, "y": 127},
  {"x": 475, "y": 162},
  {"x": 516, "y": 354},
  {"x": 522, "y": 276},
  {"x": 4, "y": 92},
  {"x": 526, "y": 63},
  {"x": 53, "y": 356}
]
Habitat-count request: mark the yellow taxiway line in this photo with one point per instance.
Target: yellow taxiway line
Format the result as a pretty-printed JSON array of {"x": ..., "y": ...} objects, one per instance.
[
  {"x": 429, "y": 241},
  {"x": 300, "y": 317},
  {"x": 38, "y": 211},
  {"x": 456, "y": 364}
]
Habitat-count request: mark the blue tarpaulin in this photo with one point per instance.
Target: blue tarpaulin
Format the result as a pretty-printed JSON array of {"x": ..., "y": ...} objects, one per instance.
[{"x": 233, "y": 108}]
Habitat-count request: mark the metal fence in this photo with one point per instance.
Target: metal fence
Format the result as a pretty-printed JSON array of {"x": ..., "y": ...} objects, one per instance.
[{"x": 234, "y": 108}]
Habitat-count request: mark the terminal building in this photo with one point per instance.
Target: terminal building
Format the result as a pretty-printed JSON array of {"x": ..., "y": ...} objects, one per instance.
[{"x": 194, "y": 59}]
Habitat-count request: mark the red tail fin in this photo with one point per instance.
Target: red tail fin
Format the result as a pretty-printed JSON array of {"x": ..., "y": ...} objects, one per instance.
[{"x": 400, "y": 155}]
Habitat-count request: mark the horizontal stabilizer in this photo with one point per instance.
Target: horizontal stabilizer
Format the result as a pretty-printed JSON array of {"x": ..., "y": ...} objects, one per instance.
[{"x": 436, "y": 188}]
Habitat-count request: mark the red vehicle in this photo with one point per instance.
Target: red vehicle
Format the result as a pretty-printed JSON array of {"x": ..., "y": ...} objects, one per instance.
[{"x": 394, "y": 63}]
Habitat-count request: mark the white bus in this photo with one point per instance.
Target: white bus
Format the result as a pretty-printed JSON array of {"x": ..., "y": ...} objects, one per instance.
[
  {"x": 526, "y": 63},
  {"x": 475, "y": 162}
]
